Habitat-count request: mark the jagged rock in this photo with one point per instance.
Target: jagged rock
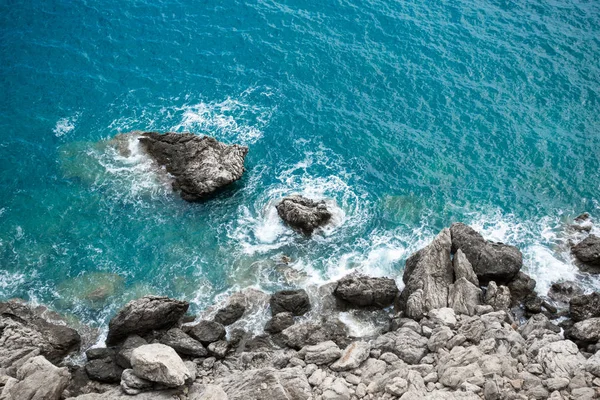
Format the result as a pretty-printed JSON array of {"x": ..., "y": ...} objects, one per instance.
[
  {"x": 587, "y": 331},
  {"x": 219, "y": 348},
  {"x": 463, "y": 296},
  {"x": 564, "y": 291},
  {"x": 428, "y": 275},
  {"x": 207, "y": 332},
  {"x": 294, "y": 301},
  {"x": 592, "y": 365},
  {"x": 123, "y": 357},
  {"x": 352, "y": 356},
  {"x": 585, "y": 306},
  {"x": 472, "y": 328},
  {"x": 336, "y": 391},
  {"x": 322, "y": 353},
  {"x": 491, "y": 261},
  {"x": 102, "y": 365},
  {"x": 24, "y": 333},
  {"x": 588, "y": 250},
  {"x": 497, "y": 296},
  {"x": 308, "y": 333},
  {"x": 200, "y": 165},
  {"x": 439, "y": 338},
  {"x": 144, "y": 315},
  {"x": 459, "y": 365},
  {"x": 133, "y": 384},
  {"x": 38, "y": 379},
  {"x": 521, "y": 287},
  {"x": 118, "y": 394},
  {"x": 279, "y": 322},
  {"x": 208, "y": 392},
  {"x": 463, "y": 268},
  {"x": 182, "y": 343},
  {"x": 537, "y": 323},
  {"x": 442, "y": 316},
  {"x": 303, "y": 214},
  {"x": 230, "y": 313},
  {"x": 364, "y": 291},
  {"x": 159, "y": 363},
  {"x": 560, "y": 359},
  {"x": 266, "y": 383},
  {"x": 405, "y": 343}
]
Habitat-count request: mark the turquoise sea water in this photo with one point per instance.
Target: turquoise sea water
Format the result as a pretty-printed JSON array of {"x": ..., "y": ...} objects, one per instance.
[{"x": 408, "y": 115}]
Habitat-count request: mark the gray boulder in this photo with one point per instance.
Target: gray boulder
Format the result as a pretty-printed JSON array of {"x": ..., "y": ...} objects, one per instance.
[
  {"x": 463, "y": 268},
  {"x": 365, "y": 291},
  {"x": 588, "y": 250},
  {"x": 463, "y": 296},
  {"x": 498, "y": 296},
  {"x": 560, "y": 359},
  {"x": 303, "y": 214},
  {"x": 491, "y": 261},
  {"x": 521, "y": 287},
  {"x": 102, "y": 366},
  {"x": 182, "y": 343},
  {"x": 144, "y": 315},
  {"x": 38, "y": 379},
  {"x": 266, "y": 383},
  {"x": 159, "y": 363},
  {"x": 428, "y": 275},
  {"x": 200, "y": 165},
  {"x": 585, "y": 306},
  {"x": 207, "y": 332},
  {"x": 352, "y": 356},
  {"x": 322, "y": 353},
  {"x": 564, "y": 291},
  {"x": 123, "y": 357},
  {"x": 587, "y": 331},
  {"x": 279, "y": 322},
  {"x": 230, "y": 313},
  {"x": 405, "y": 343},
  {"x": 294, "y": 301},
  {"x": 309, "y": 333},
  {"x": 133, "y": 384}
]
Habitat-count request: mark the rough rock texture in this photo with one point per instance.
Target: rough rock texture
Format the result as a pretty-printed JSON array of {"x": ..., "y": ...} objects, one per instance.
[
  {"x": 491, "y": 261},
  {"x": 159, "y": 363},
  {"x": 352, "y": 356},
  {"x": 322, "y": 353},
  {"x": 498, "y": 296},
  {"x": 521, "y": 287},
  {"x": 405, "y": 343},
  {"x": 587, "y": 331},
  {"x": 585, "y": 306},
  {"x": 588, "y": 250},
  {"x": 182, "y": 343},
  {"x": 144, "y": 315},
  {"x": 267, "y": 383},
  {"x": 279, "y": 322},
  {"x": 308, "y": 333},
  {"x": 102, "y": 366},
  {"x": 207, "y": 332},
  {"x": 303, "y": 214},
  {"x": 463, "y": 268},
  {"x": 123, "y": 357},
  {"x": 37, "y": 379},
  {"x": 564, "y": 291},
  {"x": 24, "y": 333},
  {"x": 428, "y": 275},
  {"x": 230, "y": 313},
  {"x": 464, "y": 296},
  {"x": 364, "y": 291},
  {"x": 200, "y": 165},
  {"x": 294, "y": 301}
]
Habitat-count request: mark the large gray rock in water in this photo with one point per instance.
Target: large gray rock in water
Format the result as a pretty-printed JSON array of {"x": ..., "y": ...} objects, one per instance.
[
  {"x": 588, "y": 250},
  {"x": 144, "y": 315},
  {"x": 39, "y": 380},
  {"x": 585, "y": 306},
  {"x": 303, "y": 214},
  {"x": 428, "y": 275},
  {"x": 25, "y": 332},
  {"x": 491, "y": 261},
  {"x": 365, "y": 291},
  {"x": 294, "y": 301},
  {"x": 200, "y": 165},
  {"x": 159, "y": 363},
  {"x": 266, "y": 383},
  {"x": 279, "y": 322}
]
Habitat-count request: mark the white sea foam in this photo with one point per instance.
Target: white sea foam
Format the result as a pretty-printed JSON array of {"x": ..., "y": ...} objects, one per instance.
[
  {"x": 10, "y": 281},
  {"x": 65, "y": 125}
]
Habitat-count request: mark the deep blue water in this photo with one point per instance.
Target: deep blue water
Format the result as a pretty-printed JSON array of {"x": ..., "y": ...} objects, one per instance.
[{"x": 409, "y": 115}]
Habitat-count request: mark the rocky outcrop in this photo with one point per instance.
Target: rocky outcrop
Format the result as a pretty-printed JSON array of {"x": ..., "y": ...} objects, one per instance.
[
  {"x": 428, "y": 275},
  {"x": 230, "y": 313},
  {"x": 294, "y": 301},
  {"x": 521, "y": 287},
  {"x": 279, "y": 322},
  {"x": 36, "y": 379},
  {"x": 200, "y": 165},
  {"x": 267, "y": 383},
  {"x": 26, "y": 333},
  {"x": 302, "y": 214},
  {"x": 588, "y": 250},
  {"x": 587, "y": 331},
  {"x": 585, "y": 306},
  {"x": 207, "y": 332},
  {"x": 144, "y": 315},
  {"x": 364, "y": 291},
  {"x": 491, "y": 261},
  {"x": 564, "y": 291},
  {"x": 102, "y": 365},
  {"x": 160, "y": 364},
  {"x": 498, "y": 296},
  {"x": 182, "y": 343}
]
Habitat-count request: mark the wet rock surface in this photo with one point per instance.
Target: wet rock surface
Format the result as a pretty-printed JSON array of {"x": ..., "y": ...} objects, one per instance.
[
  {"x": 200, "y": 165},
  {"x": 588, "y": 251},
  {"x": 302, "y": 214},
  {"x": 364, "y": 291}
]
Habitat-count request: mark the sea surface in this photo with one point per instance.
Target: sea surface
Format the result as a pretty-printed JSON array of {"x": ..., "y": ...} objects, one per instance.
[{"x": 405, "y": 116}]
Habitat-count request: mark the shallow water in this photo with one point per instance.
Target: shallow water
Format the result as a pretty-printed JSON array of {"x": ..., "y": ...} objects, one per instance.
[{"x": 408, "y": 115}]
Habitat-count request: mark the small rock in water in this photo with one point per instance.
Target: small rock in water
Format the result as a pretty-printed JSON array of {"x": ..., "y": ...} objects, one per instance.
[
  {"x": 588, "y": 251},
  {"x": 303, "y": 214}
]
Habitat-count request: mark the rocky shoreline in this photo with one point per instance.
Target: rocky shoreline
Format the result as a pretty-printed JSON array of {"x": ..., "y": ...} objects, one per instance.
[{"x": 467, "y": 324}]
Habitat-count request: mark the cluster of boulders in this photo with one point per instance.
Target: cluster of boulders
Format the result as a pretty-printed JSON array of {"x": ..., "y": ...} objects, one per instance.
[{"x": 466, "y": 325}]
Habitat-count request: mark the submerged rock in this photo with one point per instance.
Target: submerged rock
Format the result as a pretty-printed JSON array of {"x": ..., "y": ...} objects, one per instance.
[
  {"x": 428, "y": 275},
  {"x": 588, "y": 250},
  {"x": 303, "y": 214},
  {"x": 491, "y": 261},
  {"x": 364, "y": 291},
  {"x": 144, "y": 315},
  {"x": 200, "y": 165}
]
